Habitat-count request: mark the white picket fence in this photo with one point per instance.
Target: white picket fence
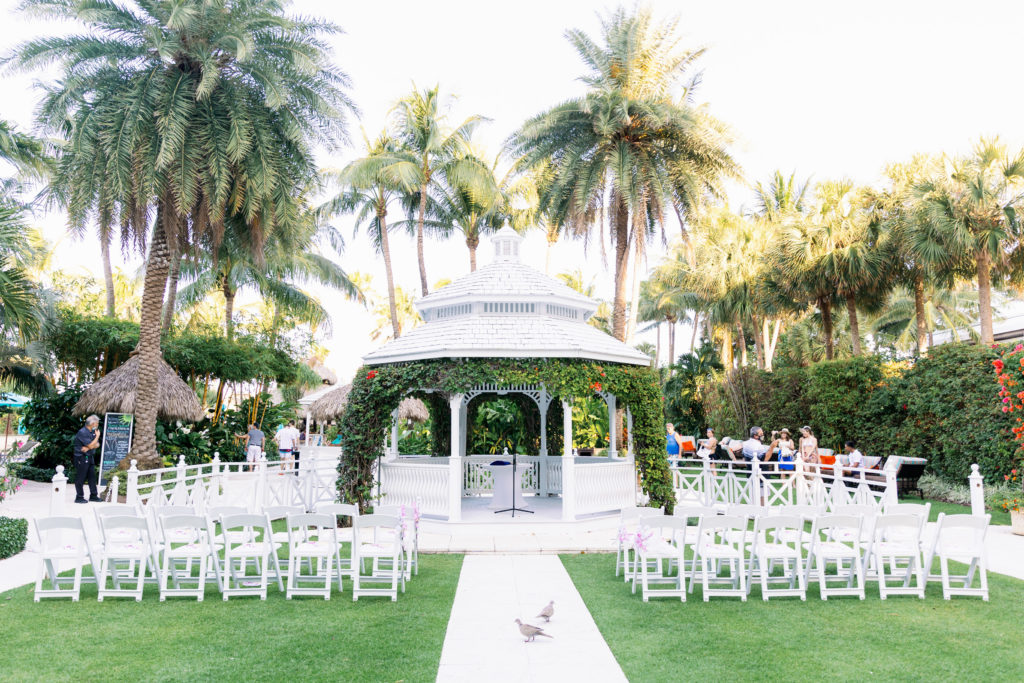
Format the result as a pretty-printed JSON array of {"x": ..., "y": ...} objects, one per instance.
[
  {"x": 249, "y": 485},
  {"x": 711, "y": 482}
]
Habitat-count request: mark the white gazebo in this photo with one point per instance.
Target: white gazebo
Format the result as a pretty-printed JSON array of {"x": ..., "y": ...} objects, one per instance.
[{"x": 509, "y": 310}]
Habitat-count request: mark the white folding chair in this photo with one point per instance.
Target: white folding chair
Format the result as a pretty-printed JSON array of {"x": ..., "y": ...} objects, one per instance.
[
  {"x": 630, "y": 520},
  {"x": 365, "y": 529},
  {"x": 898, "y": 537},
  {"x": 655, "y": 542},
  {"x": 190, "y": 542},
  {"x": 961, "y": 538},
  {"x": 61, "y": 539},
  {"x": 311, "y": 537},
  {"x": 410, "y": 533},
  {"x": 277, "y": 513},
  {"x": 688, "y": 539},
  {"x": 824, "y": 548},
  {"x": 137, "y": 552},
  {"x": 246, "y": 540},
  {"x": 778, "y": 539},
  {"x": 721, "y": 539},
  {"x": 344, "y": 536}
]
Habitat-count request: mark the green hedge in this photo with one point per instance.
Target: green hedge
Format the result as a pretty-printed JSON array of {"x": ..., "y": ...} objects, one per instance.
[
  {"x": 13, "y": 535},
  {"x": 942, "y": 407},
  {"x": 26, "y": 471}
]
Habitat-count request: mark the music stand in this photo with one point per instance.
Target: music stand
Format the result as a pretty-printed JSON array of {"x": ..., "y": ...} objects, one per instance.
[{"x": 515, "y": 484}]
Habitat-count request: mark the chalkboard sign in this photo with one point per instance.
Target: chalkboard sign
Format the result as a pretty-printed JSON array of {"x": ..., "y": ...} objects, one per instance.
[{"x": 117, "y": 440}]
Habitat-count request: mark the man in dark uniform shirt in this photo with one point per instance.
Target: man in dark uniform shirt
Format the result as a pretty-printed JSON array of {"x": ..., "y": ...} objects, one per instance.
[{"x": 87, "y": 440}]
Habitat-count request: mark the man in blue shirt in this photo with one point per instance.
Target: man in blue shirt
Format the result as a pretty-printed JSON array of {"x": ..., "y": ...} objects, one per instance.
[{"x": 87, "y": 440}]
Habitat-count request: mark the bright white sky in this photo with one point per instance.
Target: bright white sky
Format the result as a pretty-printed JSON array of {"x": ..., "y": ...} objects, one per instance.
[{"x": 825, "y": 89}]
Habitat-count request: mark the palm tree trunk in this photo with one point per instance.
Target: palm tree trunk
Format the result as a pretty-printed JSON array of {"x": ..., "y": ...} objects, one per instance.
[
  {"x": 742, "y": 337},
  {"x": 758, "y": 343},
  {"x": 770, "y": 354},
  {"x": 634, "y": 303},
  {"x": 472, "y": 242},
  {"x": 922, "y": 324},
  {"x": 671, "y": 340},
  {"x": 146, "y": 395},
  {"x": 419, "y": 239},
  {"x": 826, "y": 325},
  {"x": 172, "y": 290},
  {"x": 851, "y": 311},
  {"x": 693, "y": 332},
  {"x": 657, "y": 344},
  {"x": 108, "y": 273},
  {"x": 727, "y": 346},
  {"x": 985, "y": 294},
  {"x": 229, "y": 310},
  {"x": 621, "y": 235},
  {"x": 385, "y": 248}
]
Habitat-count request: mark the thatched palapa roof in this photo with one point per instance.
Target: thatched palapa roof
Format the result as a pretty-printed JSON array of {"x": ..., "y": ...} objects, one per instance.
[
  {"x": 115, "y": 393},
  {"x": 331, "y": 405}
]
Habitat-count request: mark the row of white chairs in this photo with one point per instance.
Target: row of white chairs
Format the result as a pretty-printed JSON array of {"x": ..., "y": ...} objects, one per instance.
[
  {"x": 897, "y": 549},
  {"x": 182, "y": 551}
]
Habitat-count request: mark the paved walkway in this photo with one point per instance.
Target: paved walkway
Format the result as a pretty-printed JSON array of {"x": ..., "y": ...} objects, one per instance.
[{"x": 483, "y": 642}]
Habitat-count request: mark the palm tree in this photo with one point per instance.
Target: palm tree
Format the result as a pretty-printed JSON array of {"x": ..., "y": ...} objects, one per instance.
[
  {"x": 180, "y": 117},
  {"x": 287, "y": 260},
  {"x": 633, "y": 146},
  {"x": 943, "y": 309},
  {"x": 574, "y": 279},
  {"x": 918, "y": 255},
  {"x": 781, "y": 198},
  {"x": 367, "y": 190},
  {"x": 975, "y": 204},
  {"x": 471, "y": 211},
  {"x": 440, "y": 154}
]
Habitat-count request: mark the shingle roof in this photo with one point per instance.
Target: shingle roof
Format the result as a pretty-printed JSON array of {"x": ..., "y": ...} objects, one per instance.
[
  {"x": 506, "y": 280},
  {"x": 507, "y": 336}
]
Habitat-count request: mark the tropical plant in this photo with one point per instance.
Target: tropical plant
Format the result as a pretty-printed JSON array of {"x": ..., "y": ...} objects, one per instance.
[
  {"x": 190, "y": 113},
  {"x": 440, "y": 154},
  {"x": 900, "y": 323},
  {"x": 974, "y": 202},
  {"x": 633, "y": 146},
  {"x": 367, "y": 188},
  {"x": 601, "y": 319}
]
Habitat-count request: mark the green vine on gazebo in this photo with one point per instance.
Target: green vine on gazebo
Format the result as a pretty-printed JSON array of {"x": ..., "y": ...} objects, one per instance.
[{"x": 378, "y": 389}]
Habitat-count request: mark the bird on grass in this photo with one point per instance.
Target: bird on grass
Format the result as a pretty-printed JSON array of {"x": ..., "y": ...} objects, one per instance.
[
  {"x": 548, "y": 611},
  {"x": 531, "y": 632}
]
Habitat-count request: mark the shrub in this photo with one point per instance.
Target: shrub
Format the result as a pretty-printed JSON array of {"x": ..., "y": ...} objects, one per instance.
[
  {"x": 48, "y": 419},
  {"x": 13, "y": 535},
  {"x": 26, "y": 471},
  {"x": 940, "y": 407}
]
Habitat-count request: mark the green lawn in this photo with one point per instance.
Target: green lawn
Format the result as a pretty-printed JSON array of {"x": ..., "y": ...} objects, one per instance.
[
  {"x": 243, "y": 639},
  {"x": 998, "y": 516},
  {"x": 903, "y": 638}
]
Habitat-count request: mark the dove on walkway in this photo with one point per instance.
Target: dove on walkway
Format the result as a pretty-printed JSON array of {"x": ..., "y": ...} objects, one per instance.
[
  {"x": 548, "y": 611},
  {"x": 531, "y": 632}
]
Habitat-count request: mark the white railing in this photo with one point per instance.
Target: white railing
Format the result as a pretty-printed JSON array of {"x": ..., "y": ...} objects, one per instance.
[
  {"x": 711, "y": 482},
  {"x": 605, "y": 486},
  {"x": 250, "y": 485},
  {"x": 409, "y": 482},
  {"x": 477, "y": 478}
]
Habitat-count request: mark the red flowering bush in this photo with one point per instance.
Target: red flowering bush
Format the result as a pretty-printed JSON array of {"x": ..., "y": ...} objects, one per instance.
[
  {"x": 1009, "y": 369},
  {"x": 371, "y": 374}
]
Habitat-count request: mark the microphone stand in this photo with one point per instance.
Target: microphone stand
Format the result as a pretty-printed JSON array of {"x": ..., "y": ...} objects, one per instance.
[{"x": 515, "y": 486}]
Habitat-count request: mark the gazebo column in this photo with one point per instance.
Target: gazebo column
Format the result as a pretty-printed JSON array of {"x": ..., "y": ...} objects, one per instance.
[
  {"x": 463, "y": 428},
  {"x": 568, "y": 464},
  {"x": 455, "y": 460},
  {"x": 612, "y": 436},
  {"x": 543, "y": 404},
  {"x": 393, "y": 450}
]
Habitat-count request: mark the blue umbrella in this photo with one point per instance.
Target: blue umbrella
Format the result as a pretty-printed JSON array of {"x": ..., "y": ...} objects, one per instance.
[{"x": 12, "y": 400}]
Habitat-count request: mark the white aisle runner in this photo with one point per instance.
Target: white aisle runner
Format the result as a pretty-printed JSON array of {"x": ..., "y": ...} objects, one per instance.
[{"x": 483, "y": 642}]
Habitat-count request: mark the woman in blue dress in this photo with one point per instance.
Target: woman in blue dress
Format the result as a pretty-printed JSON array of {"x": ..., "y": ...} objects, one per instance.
[{"x": 672, "y": 441}]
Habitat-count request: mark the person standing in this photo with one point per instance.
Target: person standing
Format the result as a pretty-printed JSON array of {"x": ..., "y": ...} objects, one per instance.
[
  {"x": 253, "y": 445},
  {"x": 287, "y": 439},
  {"x": 86, "y": 441},
  {"x": 672, "y": 441}
]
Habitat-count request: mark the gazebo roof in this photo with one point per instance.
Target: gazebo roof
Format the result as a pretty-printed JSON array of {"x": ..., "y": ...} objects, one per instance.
[{"x": 506, "y": 310}]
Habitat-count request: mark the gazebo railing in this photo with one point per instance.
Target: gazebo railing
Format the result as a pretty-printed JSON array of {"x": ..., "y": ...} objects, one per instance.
[
  {"x": 249, "y": 485},
  {"x": 416, "y": 481},
  {"x": 711, "y": 482},
  {"x": 605, "y": 486}
]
